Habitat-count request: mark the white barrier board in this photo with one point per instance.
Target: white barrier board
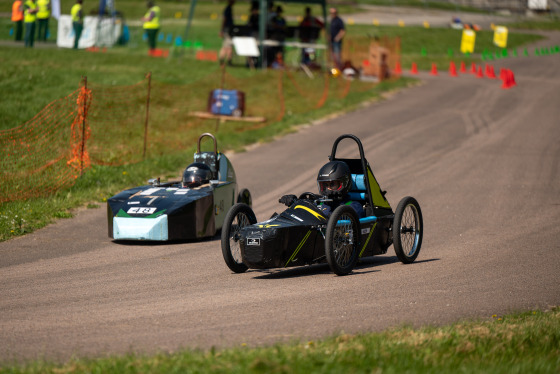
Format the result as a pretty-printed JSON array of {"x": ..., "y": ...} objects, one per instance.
[{"x": 95, "y": 33}]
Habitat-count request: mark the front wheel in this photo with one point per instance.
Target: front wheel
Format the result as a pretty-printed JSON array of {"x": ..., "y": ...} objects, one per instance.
[
  {"x": 342, "y": 240},
  {"x": 239, "y": 216},
  {"x": 408, "y": 229}
]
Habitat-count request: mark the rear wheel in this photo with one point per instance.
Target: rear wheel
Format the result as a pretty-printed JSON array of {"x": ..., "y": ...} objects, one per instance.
[
  {"x": 244, "y": 197},
  {"x": 408, "y": 229},
  {"x": 342, "y": 240},
  {"x": 239, "y": 216}
]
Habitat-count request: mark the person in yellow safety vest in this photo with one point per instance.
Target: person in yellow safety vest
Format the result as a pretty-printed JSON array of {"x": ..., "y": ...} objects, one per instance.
[
  {"x": 43, "y": 15},
  {"x": 77, "y": 21},
  {"x": 29, "y": 18},
  {"x": 17, "y": 18},
  {"x": 151, "y": 24}
]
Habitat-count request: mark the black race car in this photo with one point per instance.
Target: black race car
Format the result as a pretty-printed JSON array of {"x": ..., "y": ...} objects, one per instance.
[
  {"x": 303, "y": 234},
  {"x": 189, "y": 209}
]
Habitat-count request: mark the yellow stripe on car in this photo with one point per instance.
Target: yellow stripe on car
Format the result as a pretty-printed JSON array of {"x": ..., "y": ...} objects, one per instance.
[
  {"x": 316, "y": 214},
  {"x": 368, "y": 238},
  {"x": 298, "y": 247}
]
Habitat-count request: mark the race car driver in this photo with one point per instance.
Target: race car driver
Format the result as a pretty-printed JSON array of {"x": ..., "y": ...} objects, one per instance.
[
  {"x": 196, "y": 174},
  {"x": 334, "y": 182}
]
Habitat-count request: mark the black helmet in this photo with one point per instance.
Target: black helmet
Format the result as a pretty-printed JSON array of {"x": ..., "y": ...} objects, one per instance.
[
  {"x": 334, "y": 179},
  {"x": 196, "y": 174}
]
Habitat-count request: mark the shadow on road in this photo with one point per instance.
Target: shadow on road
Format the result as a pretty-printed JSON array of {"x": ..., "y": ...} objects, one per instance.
[
  {"x": 129, "y": 243},
  {"x": 363, "y": 267}
]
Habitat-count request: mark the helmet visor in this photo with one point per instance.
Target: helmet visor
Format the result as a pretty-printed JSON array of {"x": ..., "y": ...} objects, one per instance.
[
  {"x": 192, "y": 181},
  {"x": 327, "y": 187}
]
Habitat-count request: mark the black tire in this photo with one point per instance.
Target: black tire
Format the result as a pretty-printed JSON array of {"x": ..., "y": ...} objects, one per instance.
[
  {"x": 244, "y": 197},
  {"x": 342, "y": 241},
  {"x": 408, "y": 229},
  {"x": 239, "y": 216}
]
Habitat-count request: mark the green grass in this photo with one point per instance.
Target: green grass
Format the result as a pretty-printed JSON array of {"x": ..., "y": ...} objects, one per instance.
[
  {"x": 517, "y": 343},
  {"x": 425, "y": 4},
  {"x": 543, "y": 23}
]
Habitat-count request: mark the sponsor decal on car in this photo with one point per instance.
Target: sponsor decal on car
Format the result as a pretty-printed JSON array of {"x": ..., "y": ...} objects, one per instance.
[
  {"x": 253, "y": 241},
  {"x": 150, "y": 191},
  {"x": 296, "y": 217},
  {"x": 141, "y": 210}
]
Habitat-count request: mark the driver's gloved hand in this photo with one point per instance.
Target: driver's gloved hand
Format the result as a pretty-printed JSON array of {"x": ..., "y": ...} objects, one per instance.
[{"x": 287, "y": 199}]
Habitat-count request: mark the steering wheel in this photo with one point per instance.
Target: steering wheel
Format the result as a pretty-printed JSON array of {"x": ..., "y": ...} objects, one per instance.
[{"x": 308, "y": 196}]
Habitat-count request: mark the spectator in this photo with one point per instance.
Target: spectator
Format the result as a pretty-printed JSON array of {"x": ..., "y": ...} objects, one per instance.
[
  {"x": 17, "y": 18},
  {"x": 29, "y": 18},
  {"x": 271, "y": 13},
  {"x": 278, "y": 62},
  {"x": 337, "y": 33},
  {"x": 226, "y": 32},
  {"x": 308, "y": 34},
  {"x": 253, "y": 24},
  {"x": 43, "y": 15},
  {"x": 253, "y": 21},
  {"x": 277, "y": 32},
  {"x": 151, "y": 24},
  {"x": 310, "y": 20},
  {"x": 77, "y": 22}
]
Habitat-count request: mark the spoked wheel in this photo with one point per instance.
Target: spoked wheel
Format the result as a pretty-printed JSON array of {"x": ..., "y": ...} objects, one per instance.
[
  {"x": 239, "y": 216},
  {"x": 342, "y": 241},
  {"x": 408, "y": 229}
]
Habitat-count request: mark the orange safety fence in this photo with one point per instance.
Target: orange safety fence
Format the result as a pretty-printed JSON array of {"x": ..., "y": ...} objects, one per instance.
[
  {"x": 93, "y": 125},
  {"x": 38, "y": 157}
]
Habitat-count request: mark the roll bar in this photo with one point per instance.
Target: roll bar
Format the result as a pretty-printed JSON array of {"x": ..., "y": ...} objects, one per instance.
[
  {"x": 213, "y": 138},
  {"x": 362, "y": 158}
]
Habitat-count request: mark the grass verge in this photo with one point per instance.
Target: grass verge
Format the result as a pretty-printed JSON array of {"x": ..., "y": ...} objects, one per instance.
[{"x": 518, "y": 343}]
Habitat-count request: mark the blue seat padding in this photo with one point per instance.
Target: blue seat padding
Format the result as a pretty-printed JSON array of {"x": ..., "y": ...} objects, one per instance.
[
  {"x": 368, "y": 219},
  {"x": 358, "y": 183},
  {"x": 357, "y": 196}
]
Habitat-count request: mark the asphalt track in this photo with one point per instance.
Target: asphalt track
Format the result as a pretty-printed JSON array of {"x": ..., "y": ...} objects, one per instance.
[{"x": 483, "y": 162}]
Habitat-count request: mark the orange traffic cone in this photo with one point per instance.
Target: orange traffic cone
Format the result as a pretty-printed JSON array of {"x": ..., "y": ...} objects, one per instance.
[
  {"x": 512, "y": 79},
  {"x": 502, "y": 74},
  {"x": 434, "y": 69},
  {"x": 463, "y": 69},
  {"x": 505, "y": 79},
  {"x": 480, "y": 74},
  {"x": 414, "y": 69},
  {"x": 490, "y": 72},
  {"x": 508, "y": 79},
  {"x": 473, "y": 68},
  {"x": 452, "y": 69},
  {"x": 398, "y": 70}
]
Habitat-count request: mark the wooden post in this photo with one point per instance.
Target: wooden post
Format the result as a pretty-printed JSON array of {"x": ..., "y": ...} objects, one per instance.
[
  {"x": 83, "y": 146},
  {"x": 222, "y": 83},
  {"x": 149, "y": 76}
]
